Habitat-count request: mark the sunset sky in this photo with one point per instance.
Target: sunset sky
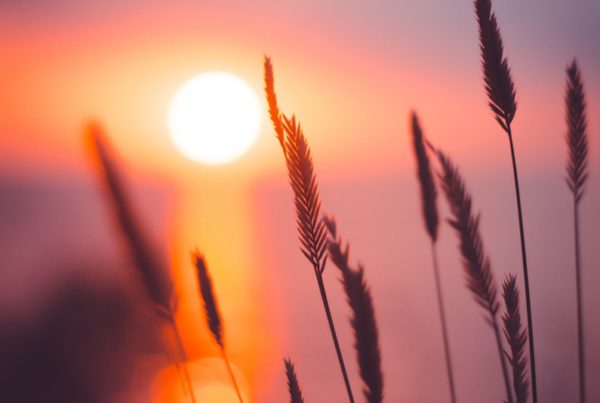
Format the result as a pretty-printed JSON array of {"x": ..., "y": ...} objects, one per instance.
[{"x": 351, "y": 72}]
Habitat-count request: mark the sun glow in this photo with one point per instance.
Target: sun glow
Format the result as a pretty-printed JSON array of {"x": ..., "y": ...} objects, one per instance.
[
  {"x": 214, "y": 118},
  {"x": 211, "y": 383}
]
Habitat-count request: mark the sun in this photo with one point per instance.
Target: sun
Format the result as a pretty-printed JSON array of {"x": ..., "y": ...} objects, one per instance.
[{"x": 214, "y": 118}]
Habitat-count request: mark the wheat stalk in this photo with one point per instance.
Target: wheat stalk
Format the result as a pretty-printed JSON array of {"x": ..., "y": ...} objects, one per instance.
[
  {"x": 272, "y": 101},
  {"x": 496, "y": 72},
  {"x": 502, "y": 100},
  {"x": 478, "y": 271},
  {"x": 211, "y": 311},
  {"x": 577, "y": 136},
  {"x": 293, "y": 384},
  {"x": 311, "y": 231},
  {"x": 431, "y": 218},
  {"x": 426, "y": 179},
  {"x": 363, "y": 321},
  {"x": 516, "y": 338},
  {"x": 577, "y": 173},
  {"x": 154, "y": 275}
]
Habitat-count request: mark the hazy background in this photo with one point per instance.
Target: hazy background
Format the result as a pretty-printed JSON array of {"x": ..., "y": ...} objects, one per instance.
[{"x": 351, "y": 71}]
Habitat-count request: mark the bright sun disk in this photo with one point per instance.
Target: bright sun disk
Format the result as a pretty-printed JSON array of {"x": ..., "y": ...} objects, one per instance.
[{"x": 214, "y": 118}]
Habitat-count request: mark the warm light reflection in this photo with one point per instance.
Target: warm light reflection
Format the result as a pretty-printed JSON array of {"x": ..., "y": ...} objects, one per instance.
[
  {"x": 216, "y": 393},
  {"x": 211, "y": 383},
  {"x": 215, "y": 218}
]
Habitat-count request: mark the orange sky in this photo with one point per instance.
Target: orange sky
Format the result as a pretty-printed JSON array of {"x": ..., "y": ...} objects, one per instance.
[
  {"x": 124, "y": 65},
  {"x": 349, "y": 73}
]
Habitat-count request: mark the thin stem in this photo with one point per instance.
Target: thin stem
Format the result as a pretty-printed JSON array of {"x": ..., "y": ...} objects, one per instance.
[
  {"x": 525, "y": 271},
  {"x": 579, "y": 306},
  {"x": 438, "y": 287},
  {"x": 333, "y": 333},
  {"x": 175, "y": 358},
  {"x": 494, "y": 323},
  {"x": 230, "y": 371},
  {"x": 183, "y": 359}
]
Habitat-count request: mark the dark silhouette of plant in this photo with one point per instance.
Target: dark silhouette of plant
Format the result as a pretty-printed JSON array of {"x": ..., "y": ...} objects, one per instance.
[
  {"x": 501, "y": 93},
  {"x": 496, "y": 72},
  {"x": 293, "y": 384},
  {"x": 516, "y": 338},
  {"x": 211, "y": 310},
  {"x": 426, "y": 179},
  {"x": 476, "y": 264},
  {"x": 431, "y": 217},
  {"x": 363, "y": 321},
  {"x": 153, "y": 274},
  {"x": 311, "y": 230},
  {"x": 577, "y": 173}
]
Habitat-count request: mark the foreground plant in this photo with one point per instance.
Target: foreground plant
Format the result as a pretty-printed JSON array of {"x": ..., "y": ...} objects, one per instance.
[
  {"x": 476, "y": 264},
  {"x": 364, "y": 324},
  {"x": 431, "y": 217},
  {"x": 293, "y": 384},
  {"x": 516, "y": 338},
  {"x": 155, "y": 277},
  {"x": 577, "y": 173},
  {"x": 212, "y": 314},
  {"x": 311, "y": 230},
  {"x": 502, "y": 101}
]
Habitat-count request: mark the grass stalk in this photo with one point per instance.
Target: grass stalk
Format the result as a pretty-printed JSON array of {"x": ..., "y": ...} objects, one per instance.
[
  {"x": 501, "y": 353},
  {"x": 150, "y": 269},
  {"x": 577, "y": 174},
  {"x": 363, "y": 319},
  {"x": 440, "y": 300},
  {"x": 231, "y": 375},
  {"x": 211, "y": 312},
  {"x": 182, "y": 365},
  {"x": 303, "y": 181},
  {"x": 516, "y": 337},
  {"x": 501, "y": 93},
  {"x": 182, "y": 378},
  {"x": 580, "y": 337},
  {"x": 293, "y": 384},
  {"x": 476, "y": 264},
  {"x": 525, "y": 269},
  {"x": 336, "y": 343},
  {"x": 431, "y": 220}
]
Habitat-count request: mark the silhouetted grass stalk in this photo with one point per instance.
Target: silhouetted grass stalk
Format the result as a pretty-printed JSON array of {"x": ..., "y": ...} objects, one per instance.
[
  {"x": 577, "y": 141},
  {"x": 476, "y": 263},
  {"x": 363, "y": 320},
  {"x": 154, "y": 276},
  {"x": 431, "y": 218},
  {"x": 182, "y": 367},
  {"x": 440, "y": 300},
  {"x": 293, "y": 384},
  {"x": 212, "y": 314},
  {"x": 501, "y": 93},
  {"x": 311, "y": 230},
  {"x": 230, "y": 372},
  {"x": 580, "y": 327},
  {"x": 516, "y": 337},
  {"x": 336, "y": 342},
  {"x": 525, "y": 270},
  {"x": 505, "y": 375}
]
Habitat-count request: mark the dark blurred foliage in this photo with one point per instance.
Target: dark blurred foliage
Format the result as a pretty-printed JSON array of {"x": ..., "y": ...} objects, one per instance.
[
  {"x": 75, "y": 325},
  {"x": 84, "y": 344}
]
